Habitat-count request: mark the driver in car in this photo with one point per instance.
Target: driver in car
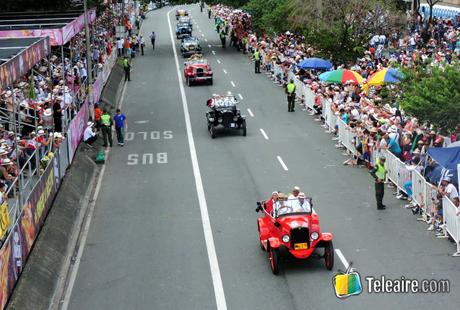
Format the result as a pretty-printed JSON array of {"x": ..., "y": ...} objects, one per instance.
[
  {"x": 302, "y": 205},
  {"x": 282, "y": 205}
]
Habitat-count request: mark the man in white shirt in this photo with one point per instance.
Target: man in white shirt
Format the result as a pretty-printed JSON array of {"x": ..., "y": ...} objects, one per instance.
[
  {"x": 448, "y": 189},
  {"x": 120, "y": 46},
  {"x": 89, "y": 135}
]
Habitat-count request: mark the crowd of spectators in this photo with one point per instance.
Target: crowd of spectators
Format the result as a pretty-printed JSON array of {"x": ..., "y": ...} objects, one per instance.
[
  {"x": 376, "y": 125},
  {"x": 35, "y": 110}
]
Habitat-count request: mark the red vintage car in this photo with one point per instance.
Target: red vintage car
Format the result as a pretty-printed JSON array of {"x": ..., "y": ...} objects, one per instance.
[
  {"x": 197, "y": 70},
  {"x": 290, "y": 227}
]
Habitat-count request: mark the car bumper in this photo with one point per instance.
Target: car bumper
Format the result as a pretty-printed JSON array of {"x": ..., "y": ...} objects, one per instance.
[{"x": 200, "y": 78}]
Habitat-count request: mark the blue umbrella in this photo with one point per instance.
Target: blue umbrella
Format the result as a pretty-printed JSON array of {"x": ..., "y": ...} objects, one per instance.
[{"x": 315, "y": 63}]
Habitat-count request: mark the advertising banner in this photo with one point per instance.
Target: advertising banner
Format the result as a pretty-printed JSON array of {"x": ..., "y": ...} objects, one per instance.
[
  {"x": 19, "y": 65},
  {"x": 76, "y": 128},
  {"x": 23, "y": 234}
]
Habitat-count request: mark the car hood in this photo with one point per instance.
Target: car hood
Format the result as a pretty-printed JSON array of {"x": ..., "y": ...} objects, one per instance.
[{"x": 293, "y": 221}]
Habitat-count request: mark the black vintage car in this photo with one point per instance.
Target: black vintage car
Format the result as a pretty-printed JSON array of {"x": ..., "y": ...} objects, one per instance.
[
  {"x": 223, "y": 113},
  {"x": 183, "y": 30},
  {"x": 190, "y": 46}
]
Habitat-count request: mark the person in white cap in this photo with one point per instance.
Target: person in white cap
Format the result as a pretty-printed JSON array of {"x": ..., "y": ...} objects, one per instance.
[
  {"x": 447, "y": 188},
  {"x": 89, "y": 135},
  {"x": 302, "y": 204},
  {"x": 295, "y": 193}
]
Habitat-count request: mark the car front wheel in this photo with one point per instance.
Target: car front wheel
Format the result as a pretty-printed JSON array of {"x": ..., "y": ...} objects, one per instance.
[
  {"x": 243, "y": 126},
  {"x": 212, "y": 131},
  {"x": 329, "y": 256},
  {"x": 273, "y": 257}
]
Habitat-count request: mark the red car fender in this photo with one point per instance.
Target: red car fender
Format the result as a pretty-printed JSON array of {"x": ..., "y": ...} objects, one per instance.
[
  {"x": 274, "y": 242},
  {"x": 264, "y": 232},
  {"x": 326, "y": 236}
]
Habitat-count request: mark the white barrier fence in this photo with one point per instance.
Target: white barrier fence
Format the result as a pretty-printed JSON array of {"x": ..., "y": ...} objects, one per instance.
[{"x": 452, "y": 222}]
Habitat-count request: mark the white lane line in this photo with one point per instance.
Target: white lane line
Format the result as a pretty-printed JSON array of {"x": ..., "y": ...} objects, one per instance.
[
  {"x": 200, "y": 31},
  {"x": 141, "y": 122},
  {"x": 241, "y": 97},
  {"x": 209, "y": 239},
  {"x": 202, "y": 35},
  {"x": 218, "y": 61},
  {"x": 213, "y": 52},
  {"x": 250, "y": 112},
  {"x": 87, "y": 224},
  {"x": 225, "y": 71},
  {"x": 206, "y": 40},
  {"x": 233, "y": 84},
  {"x": 282, "y": 163},
  {"x": 342, "y": 258},
  {"x": 264, "y": 134}
]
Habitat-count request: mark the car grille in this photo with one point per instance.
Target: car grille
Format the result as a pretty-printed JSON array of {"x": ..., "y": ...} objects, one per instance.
[
  {"x": 299, "y": 235},
  {"x": 227, "y": 118},
  {"x": 199, "y": 72}
]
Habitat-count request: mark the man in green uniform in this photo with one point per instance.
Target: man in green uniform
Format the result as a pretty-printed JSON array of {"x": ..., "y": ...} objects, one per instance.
[
  {"x": 290, "y": 90},
  {"x": 106, "y": 126},
  {"x": 257, "y": 57},
  {"x": 223, "y": 37},
  {"x": 379, "y": 173},
  {"x": 127, "y": 68}
]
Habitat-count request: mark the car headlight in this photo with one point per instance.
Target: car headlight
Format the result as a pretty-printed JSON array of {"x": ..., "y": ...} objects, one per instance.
[
  {"x": 219, "y": 120},
  {"x": 286, "y": 238},
  {"x": 235, "y": 118},
  {"x": 314, "y": 235},
  {"x": 211, "y": 119}
]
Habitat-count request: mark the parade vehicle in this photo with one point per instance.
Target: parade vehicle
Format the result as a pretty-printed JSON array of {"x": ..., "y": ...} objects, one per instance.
[
  {"x": 190, "y": 46},
  {"x": 183, "y": 30},
  {"x": 197, "y": 70},
  {"x": 224, "y": 114},
  {"x": 286, "y": 232},
  {"x": 181, "y": 13},
  {"x": 186, "y": 20}
]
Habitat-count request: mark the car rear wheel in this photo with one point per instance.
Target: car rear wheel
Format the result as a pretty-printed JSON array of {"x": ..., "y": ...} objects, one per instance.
[
  {"x": 329, "y": 256},
  {"x": 210, "y": 82},
  {"x": 273, "y": 257},
  {"x": 212, "y": 131}
]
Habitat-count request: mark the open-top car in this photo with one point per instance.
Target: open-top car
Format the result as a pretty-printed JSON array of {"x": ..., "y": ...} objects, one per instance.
[
  {"x": 186, "y": 20},
  {"x": 223, "y": 113},
  {"x": 180, "y": 13},
  {"x": 183, "y": 30},
  {"x": 190, "y": 46},
  {"x": 290, "y": 227},
  {"x": 197, "y": 70}
]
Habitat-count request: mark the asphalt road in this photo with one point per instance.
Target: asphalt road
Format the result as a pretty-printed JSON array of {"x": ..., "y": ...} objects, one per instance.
[{"x": 146, "y": 247}]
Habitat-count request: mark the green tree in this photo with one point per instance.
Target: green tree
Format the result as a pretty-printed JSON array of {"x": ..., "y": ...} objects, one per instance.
[
  {"x": 432, "y": 95},
  {"x": 268, "y": 15}
]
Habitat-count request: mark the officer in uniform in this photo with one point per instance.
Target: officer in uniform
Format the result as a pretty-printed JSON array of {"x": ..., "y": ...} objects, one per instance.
[
  {"x": 257, "y": 60},
  {"x": 379, "y": 173},
  {"x": 127, "y": 68},
  {"x": 209, "y": 12},
  {"x": 106, "y": 125},
  {"x": 223, "y": 37},
  {"x": 290, "y": 90}
]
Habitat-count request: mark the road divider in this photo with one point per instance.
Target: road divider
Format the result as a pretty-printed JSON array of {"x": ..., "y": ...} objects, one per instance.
[
  {"x": 213, "y": 52},
  {"x": 282, "y": 163}
]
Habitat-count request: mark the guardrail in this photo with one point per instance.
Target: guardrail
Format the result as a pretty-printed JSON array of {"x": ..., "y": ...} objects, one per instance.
[{"x": 451, "y": 220}]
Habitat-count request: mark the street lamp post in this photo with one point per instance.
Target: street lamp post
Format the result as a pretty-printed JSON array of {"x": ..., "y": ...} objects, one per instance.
[{"x": 89, "y": 78}]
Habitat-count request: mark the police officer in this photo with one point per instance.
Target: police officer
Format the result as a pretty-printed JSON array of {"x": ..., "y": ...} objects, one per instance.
[
  {"x": 223, "y": 37},
  {"x": 127, "y": 68},
  {"x": 106, "y": 126},
  {"x": 257, "y": 60},
  {"x": 290, "y": 90},
  {"x": 379, "y": 173},
  {"x": 209, "y": 12}
]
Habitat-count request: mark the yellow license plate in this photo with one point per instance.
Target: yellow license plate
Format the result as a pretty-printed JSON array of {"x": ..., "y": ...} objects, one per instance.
[{"x": 300, "y": 246}]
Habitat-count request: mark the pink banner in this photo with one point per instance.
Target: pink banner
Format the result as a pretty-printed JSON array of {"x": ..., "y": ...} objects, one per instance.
[
  {"x": 76, "y": 128},
  {"x": 58, "y": 36}
]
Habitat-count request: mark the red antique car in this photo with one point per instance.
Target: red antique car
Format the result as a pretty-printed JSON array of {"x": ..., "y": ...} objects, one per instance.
[
  {"x": 196, "y": 70},
  {"x": 290, "y": 227}
]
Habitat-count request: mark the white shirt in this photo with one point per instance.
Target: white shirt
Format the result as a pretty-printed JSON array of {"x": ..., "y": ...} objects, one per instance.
[
  {"x": 451, "y": 191},
  {"x": 120, "y": 43},
  {"x": 89, "y": 133}
]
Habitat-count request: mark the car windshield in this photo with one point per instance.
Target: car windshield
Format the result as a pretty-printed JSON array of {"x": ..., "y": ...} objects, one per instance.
[
  {"x": 292, "y": 206},
  {"x": 185, "y": 20}
]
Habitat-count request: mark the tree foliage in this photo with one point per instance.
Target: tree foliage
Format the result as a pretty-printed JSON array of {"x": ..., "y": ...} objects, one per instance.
[
  {"x": 48, "y": 5},
  {"x": 268, "y": 15},
  {"x": 432, "y": 95}
]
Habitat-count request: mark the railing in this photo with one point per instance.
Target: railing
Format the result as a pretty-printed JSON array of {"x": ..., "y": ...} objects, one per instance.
[{"x": 452, "y": 222}]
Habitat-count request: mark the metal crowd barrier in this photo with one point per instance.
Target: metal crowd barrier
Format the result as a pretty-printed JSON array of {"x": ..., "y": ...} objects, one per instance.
[{"x": 452, "y": 222}]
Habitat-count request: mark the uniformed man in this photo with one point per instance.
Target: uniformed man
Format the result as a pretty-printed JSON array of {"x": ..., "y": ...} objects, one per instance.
[
  {"x": 127, "y": 68},
  {"x": 106, "y": 126},
  {"x": 223, "y": 37},
  {"x": 379, "y": 173},
  {"x": 290, "y": 90},
  {"x": 209, "y": 12},
  {"x": 257, "y": 57}
]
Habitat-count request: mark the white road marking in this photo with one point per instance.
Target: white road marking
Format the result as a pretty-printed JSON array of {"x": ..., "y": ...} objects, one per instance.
[
  {"x": 264, "y": 134},
  {"x": 282, "y": 163},
  {"x": 206, "y": 40},
  {"x": 342, "y": 258},
  {"x": 209, "y": 239},
  {"x": 233, "y": 84},
  {"x": 200, "y": 31},
  {"x": 202, "y": 35},
  {"x": 241, "y": 97},
  {"x": 225, "y": 71},
  {"x": 87, "y": 224},
  {"x": 213, "y": 52},
  {"x": 250, "y": 112},
  {"x": 218, "y": 61},
  {"x": 141, "y": 122}
]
